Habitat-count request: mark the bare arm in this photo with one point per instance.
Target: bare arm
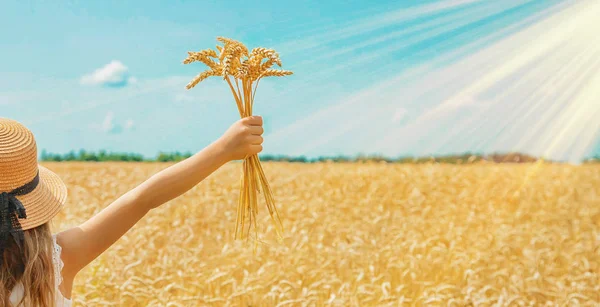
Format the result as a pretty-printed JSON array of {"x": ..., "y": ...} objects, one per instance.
[{"x": 82, "y": 244}]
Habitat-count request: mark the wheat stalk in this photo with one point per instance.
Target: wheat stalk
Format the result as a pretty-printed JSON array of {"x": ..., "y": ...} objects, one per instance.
[{"x": 245, "y": 69}]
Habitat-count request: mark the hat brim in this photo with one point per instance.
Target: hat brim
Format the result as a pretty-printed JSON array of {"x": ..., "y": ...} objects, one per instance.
[{"x": 45, "y": 201}]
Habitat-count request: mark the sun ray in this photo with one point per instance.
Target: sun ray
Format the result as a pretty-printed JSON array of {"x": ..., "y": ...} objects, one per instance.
[
  {"x": 355, "y": 28},
  {"x": 535, "y": 98},
  {"x": 538, "y": 105},
  {"x": 532, "y": 101},
  {"x": 425, "y": 30},
  {"x": 512, "y": 122},
  {"x": 502, "y": 91}
]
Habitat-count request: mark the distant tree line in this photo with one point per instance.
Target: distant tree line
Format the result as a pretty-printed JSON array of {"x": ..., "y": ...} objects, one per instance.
[
  {"x": 104, "y": 156},
  {"x": 451, "y": 159}
]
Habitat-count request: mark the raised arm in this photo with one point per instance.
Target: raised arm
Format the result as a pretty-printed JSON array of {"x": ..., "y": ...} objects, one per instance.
[{"x": 81, "y": 245}]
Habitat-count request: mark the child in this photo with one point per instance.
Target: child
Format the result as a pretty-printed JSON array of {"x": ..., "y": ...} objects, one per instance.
[{"x": 38, "y": 268}]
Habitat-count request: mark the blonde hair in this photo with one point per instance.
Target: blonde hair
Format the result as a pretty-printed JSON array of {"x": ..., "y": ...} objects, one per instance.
[{"x": 32, "y": 267}]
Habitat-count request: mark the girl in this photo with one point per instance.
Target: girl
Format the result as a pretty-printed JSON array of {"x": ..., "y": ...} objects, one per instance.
[{"x": 38, "y": 268}]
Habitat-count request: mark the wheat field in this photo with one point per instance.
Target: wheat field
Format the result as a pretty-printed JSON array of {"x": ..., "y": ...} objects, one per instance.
[{"x": 354, "y": 235}]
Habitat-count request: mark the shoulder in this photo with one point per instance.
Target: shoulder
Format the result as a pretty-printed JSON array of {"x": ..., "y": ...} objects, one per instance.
[{"x": 63, "y": 278}]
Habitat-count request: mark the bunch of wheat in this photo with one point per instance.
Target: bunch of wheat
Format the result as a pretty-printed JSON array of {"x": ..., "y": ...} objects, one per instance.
[{"x": 233, "y": 61}]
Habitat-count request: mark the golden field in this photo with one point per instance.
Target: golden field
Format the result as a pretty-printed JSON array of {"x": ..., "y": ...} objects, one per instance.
[{"x": 355, "y": 235}]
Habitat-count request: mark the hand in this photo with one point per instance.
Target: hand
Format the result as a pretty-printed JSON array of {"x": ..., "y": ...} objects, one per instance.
[{"x": 243, "y": 138}]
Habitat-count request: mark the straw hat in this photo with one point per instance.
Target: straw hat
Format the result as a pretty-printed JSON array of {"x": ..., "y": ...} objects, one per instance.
[{"x": 19, "y": 168}]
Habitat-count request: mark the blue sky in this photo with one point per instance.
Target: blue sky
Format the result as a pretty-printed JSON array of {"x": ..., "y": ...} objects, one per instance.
[{"x": 389, "y": 77}]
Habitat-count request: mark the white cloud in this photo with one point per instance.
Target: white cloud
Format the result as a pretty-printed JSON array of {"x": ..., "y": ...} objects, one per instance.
[
  {"x": 129, "y": 124},
  {"x": 113, "y": 74},
  {"x": 111, "y": 126},
  {"x": 108, "y": 124}
]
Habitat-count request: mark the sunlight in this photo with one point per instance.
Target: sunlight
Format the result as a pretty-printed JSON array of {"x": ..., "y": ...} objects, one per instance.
[
  {"x": 368, "y": 24},
  {"x": 397, "y": 39},
  {"x": 539, "y": 96}
]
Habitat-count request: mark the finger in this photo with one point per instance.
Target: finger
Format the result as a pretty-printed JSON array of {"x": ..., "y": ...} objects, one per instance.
[
  {"x": 253, "y": 120},
  {"x": 254, "y": 149},
  {"x": 256, "y": 130},
  {"x": 255, "y": 139}
]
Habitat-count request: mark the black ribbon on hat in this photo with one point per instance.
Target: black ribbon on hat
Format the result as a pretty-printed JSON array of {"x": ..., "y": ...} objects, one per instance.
[{"x": 11, "y": 210}]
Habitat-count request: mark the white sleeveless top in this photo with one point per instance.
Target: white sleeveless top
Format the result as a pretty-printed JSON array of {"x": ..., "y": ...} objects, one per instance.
[{"x": 61, "y": 301}]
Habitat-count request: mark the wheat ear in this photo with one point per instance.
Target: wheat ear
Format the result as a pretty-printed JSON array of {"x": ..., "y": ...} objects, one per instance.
[
  {"x": 201, "y": 76},
  {"x": 276, "y": 73}
]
